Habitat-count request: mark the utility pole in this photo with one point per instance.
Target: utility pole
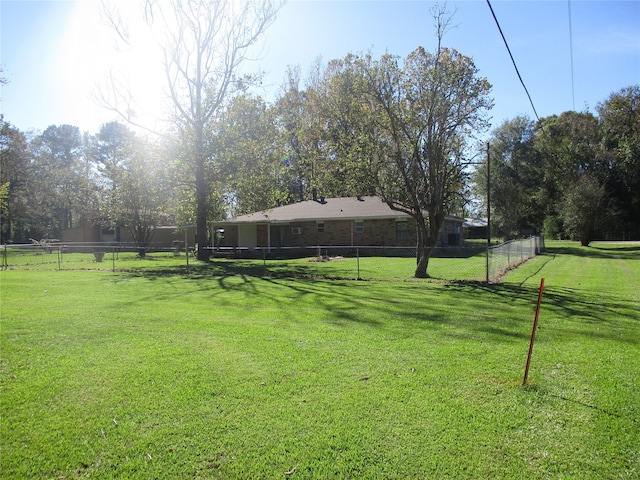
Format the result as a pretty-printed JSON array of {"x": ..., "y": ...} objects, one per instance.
[{"x": 488, "y": 209}]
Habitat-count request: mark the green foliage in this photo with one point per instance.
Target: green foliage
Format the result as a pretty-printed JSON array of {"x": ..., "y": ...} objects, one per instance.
[
  {"x": 135, "y": 182},
  {"x": 15, "y": 178},
  {"x": 427, "y": 109},
  {"x": 583, "y": 209},
  {"x": 252, "y": 167},
  {"x": 571, "y": 171},
  {"x": 61, "y": 190},
  {"x": 620, "y": 127},
  {"x": 515, "y": 179}
]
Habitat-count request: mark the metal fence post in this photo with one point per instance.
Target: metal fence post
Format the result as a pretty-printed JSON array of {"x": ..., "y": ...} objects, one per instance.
[{"x": 487, "y": 264}]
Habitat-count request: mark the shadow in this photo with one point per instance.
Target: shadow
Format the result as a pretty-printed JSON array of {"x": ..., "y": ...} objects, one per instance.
[
  {"x": 570, "y": 311},
  {"x": 543, "y": 392},
  {"x": 622, "y": 252},
  {"x": 494, "y": 310}
]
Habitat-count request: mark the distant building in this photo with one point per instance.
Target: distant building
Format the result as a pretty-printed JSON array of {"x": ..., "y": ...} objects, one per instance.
[{"x": 475, "y": 228}]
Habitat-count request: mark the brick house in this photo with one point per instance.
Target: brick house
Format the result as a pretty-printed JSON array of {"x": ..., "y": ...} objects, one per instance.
[{"x": 346, "y": 221}]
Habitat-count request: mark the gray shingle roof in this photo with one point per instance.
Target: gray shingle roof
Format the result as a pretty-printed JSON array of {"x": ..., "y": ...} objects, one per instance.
[{"x": 344, "y": 208}]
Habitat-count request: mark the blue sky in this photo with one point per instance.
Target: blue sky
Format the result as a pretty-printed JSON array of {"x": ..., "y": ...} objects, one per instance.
[{"x": 55, "y": 53}]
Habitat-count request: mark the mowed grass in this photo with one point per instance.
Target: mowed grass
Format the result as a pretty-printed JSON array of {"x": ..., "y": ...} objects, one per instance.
[
  {"x": 227, "y": 374},
  {"x": 469, "y": 268}
]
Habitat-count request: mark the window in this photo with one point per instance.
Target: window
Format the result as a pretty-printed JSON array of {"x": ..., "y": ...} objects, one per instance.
[
  {"x": 359, "y": 227},
  {"x": 402, "y": 231},
  {"x": 320, "y": 226},
  {"x": 296, "y": 230}
]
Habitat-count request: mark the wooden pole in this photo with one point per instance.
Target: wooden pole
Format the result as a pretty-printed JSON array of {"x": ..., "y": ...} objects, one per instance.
[
  {"x": 533, "y": 332},
  {"x": 488, "y": 210}
]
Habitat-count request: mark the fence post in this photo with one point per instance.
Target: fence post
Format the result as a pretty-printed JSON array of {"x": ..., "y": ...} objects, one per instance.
[
  {"x": 264, "y": 260},
  {"x": 358, "y": 262},
  {"x": 487, "y": 263},
  {"x": 533, "y": 333}
]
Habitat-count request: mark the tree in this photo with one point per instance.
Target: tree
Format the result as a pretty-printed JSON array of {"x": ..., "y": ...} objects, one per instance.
[
  {"x": 425, "y": 109},
  {"x": 137, "y": 202},
  {"x": 515, "y": 179},
  {"x": 251, "y": 158},
  {"x": 620, "y": 132},
  {"x": 583, "y": 208},
  {"x": 205, "y": 43},
  {"x": 64, "y": 195},
  {"x": 328, "y": 131},
  {"x": 570, "y": 147},
  {"x": 302, "y": 133},
  {"x": 134, "y": 182},
  {"x": 14, "y": 181}
]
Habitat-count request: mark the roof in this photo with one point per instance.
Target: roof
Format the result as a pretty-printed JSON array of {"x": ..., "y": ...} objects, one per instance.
[
  {"x": 475, "y": 222},
  {"x": 342, "y": 208}
]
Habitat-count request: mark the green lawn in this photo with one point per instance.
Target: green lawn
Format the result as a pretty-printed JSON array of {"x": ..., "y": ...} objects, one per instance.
[{"x": 227, "y": 373}]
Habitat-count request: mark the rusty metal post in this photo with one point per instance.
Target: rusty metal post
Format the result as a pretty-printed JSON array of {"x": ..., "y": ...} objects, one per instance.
[{"x": 533, "y": 333}]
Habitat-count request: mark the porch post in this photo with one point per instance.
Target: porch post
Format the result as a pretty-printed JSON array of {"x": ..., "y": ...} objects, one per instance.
[{"x": 269, "y": 237}]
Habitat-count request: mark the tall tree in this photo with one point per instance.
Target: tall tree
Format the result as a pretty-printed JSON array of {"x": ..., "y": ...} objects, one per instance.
[
  {"x": 426, "y": 109},
  {"x": 302, "y": 132},
  {"x": 15, "y": 171},
  {"x": 515, "y": 179},
  {"x": 252, "y": 167},
  {"x": 570, "y": 148},
  {"x": 584, "y": 208},
  {"x": 64, "y": 195},
  {"x": 134, "y": 181},
  {"x": 620, "y": 130},
  {"x": 204, "y": 44}
]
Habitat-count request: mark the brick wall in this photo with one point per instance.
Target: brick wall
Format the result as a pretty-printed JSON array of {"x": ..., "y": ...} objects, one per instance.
[{"x": 378, "y": 232}]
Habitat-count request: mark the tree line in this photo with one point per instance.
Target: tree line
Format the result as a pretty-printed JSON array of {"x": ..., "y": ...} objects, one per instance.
[{"x": 575, "y": 175}]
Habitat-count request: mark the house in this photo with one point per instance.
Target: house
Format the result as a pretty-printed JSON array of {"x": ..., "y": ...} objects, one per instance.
[
  {"x": 346, "y": 221},
  {"x": 475, "y": 228}
]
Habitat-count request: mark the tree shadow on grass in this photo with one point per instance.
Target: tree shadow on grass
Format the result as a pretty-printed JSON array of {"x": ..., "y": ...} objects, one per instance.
[
  {"x": 630, "y": 252},
  {"x": 570, "y": 311},
  {"x": 481, "y": 308}
]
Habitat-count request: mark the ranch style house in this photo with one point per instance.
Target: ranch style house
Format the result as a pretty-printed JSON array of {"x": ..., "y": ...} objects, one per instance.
[{"x": 346, "y": 221}]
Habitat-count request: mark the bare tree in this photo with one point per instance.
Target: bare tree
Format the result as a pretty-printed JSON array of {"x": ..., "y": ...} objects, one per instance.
[{"x": 204, "y": 43}]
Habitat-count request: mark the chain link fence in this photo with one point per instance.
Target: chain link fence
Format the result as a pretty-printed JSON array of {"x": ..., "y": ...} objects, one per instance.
[
  {"x": 54, "y": 255},
  {"x": 506, "y": 256},
  {"x": 474, "y": 262}
]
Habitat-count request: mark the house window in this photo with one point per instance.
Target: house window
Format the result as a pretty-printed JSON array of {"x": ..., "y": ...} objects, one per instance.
[
  {"x": 296, "y": 230},
  {"x": 320, "y": 226},
  {"x": 359, "y": 227},
  {"x": 402, "y": 231}
]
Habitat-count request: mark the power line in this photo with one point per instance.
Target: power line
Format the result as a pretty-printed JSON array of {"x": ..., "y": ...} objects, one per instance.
[{"x": 512, "y": 60}]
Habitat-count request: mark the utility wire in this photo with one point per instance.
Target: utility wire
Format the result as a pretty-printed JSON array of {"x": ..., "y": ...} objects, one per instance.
[{"x": 512, "y": 60}]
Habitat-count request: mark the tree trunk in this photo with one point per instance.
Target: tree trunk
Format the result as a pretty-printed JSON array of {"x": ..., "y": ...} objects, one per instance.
[
  {"x": 423, "y": 263},
  {"x": 423, "y": 250},
  {"x": 201, "y": 217},
  {"x": 202, "y": 200}
]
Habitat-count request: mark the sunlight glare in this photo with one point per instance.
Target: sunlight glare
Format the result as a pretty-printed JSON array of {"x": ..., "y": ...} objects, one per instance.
[{"x": 90, "y": 58}]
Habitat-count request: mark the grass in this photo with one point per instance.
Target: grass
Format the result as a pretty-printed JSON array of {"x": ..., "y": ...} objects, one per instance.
[
  {"x": 225, "y": 374},
  {"x": 365, "y": 268}
]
